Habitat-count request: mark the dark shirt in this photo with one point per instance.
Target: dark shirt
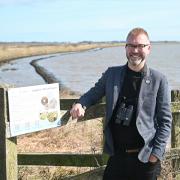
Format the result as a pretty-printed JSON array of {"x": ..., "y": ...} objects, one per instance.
[{"x": 127, "y": 137}]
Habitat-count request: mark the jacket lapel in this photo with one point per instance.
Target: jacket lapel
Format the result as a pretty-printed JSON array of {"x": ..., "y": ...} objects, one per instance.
[{"x": 118, "y": 82}]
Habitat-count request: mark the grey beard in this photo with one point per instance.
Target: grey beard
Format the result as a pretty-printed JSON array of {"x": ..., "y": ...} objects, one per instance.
[{"x": 135, "y": 62}]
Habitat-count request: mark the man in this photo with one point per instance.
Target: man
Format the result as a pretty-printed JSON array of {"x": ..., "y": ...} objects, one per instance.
[{"x": 138, "y": 116}]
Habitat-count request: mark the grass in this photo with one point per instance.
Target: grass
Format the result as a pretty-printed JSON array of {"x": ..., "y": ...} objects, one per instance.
[
  {"x": 81, "y": 137},
  {"x": 75, "y": 137},
  {"x": 9, "y": 51}
]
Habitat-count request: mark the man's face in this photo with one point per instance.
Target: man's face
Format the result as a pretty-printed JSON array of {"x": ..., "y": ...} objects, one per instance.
[{"x": 137, "y": 49}]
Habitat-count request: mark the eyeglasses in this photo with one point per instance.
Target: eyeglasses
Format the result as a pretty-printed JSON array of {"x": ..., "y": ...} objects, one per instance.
[{"x": 139, "y": 46}]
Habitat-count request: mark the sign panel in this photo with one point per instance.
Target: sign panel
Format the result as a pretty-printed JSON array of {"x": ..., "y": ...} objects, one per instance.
[{"x": 33, "y": 108}]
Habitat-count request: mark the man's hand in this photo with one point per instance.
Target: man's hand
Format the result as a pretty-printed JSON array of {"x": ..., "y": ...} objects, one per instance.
[
  {"x": 153, "y": 159},
  {"x": 77, "y": 111}
]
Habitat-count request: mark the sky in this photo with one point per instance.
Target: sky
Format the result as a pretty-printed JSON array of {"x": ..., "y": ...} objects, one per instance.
[{"x": 87, "y": 20}]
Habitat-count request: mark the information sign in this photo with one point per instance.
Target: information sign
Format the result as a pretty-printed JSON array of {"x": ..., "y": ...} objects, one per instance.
[{"x": 33, "y": 108}]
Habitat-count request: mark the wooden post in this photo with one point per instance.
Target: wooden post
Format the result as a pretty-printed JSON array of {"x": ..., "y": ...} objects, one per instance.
[
  {"x": 175, "y": 136},
  {"x": 175, "y": 133},
  {"x": 8, "y": 151},
  {"x": 175, "y": 96}
]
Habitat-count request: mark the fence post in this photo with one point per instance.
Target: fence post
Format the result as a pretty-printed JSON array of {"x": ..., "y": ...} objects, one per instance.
[
  {"x": 175, "y": 133},
  {"x": 8, "y": 151},
  {"x": 175, "y": 96},
  {"x": 175, "y": 136}
]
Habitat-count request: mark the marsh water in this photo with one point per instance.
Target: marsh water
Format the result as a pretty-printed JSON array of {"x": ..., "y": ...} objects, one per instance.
[{"x": 80, "y": 70}]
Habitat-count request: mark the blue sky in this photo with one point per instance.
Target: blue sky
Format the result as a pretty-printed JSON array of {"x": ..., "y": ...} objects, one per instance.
[{"x": 87, "y": 20}]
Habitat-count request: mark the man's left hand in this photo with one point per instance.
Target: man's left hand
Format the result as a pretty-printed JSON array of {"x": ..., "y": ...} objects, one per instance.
[{"x": 153, "y": 158}]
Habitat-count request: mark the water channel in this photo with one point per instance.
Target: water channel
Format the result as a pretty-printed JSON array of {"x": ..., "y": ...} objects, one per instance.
[{"x": 80, "y": 70}]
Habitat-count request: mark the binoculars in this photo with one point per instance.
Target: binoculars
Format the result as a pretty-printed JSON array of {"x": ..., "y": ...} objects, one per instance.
[{"x": 124, "y": 114}]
